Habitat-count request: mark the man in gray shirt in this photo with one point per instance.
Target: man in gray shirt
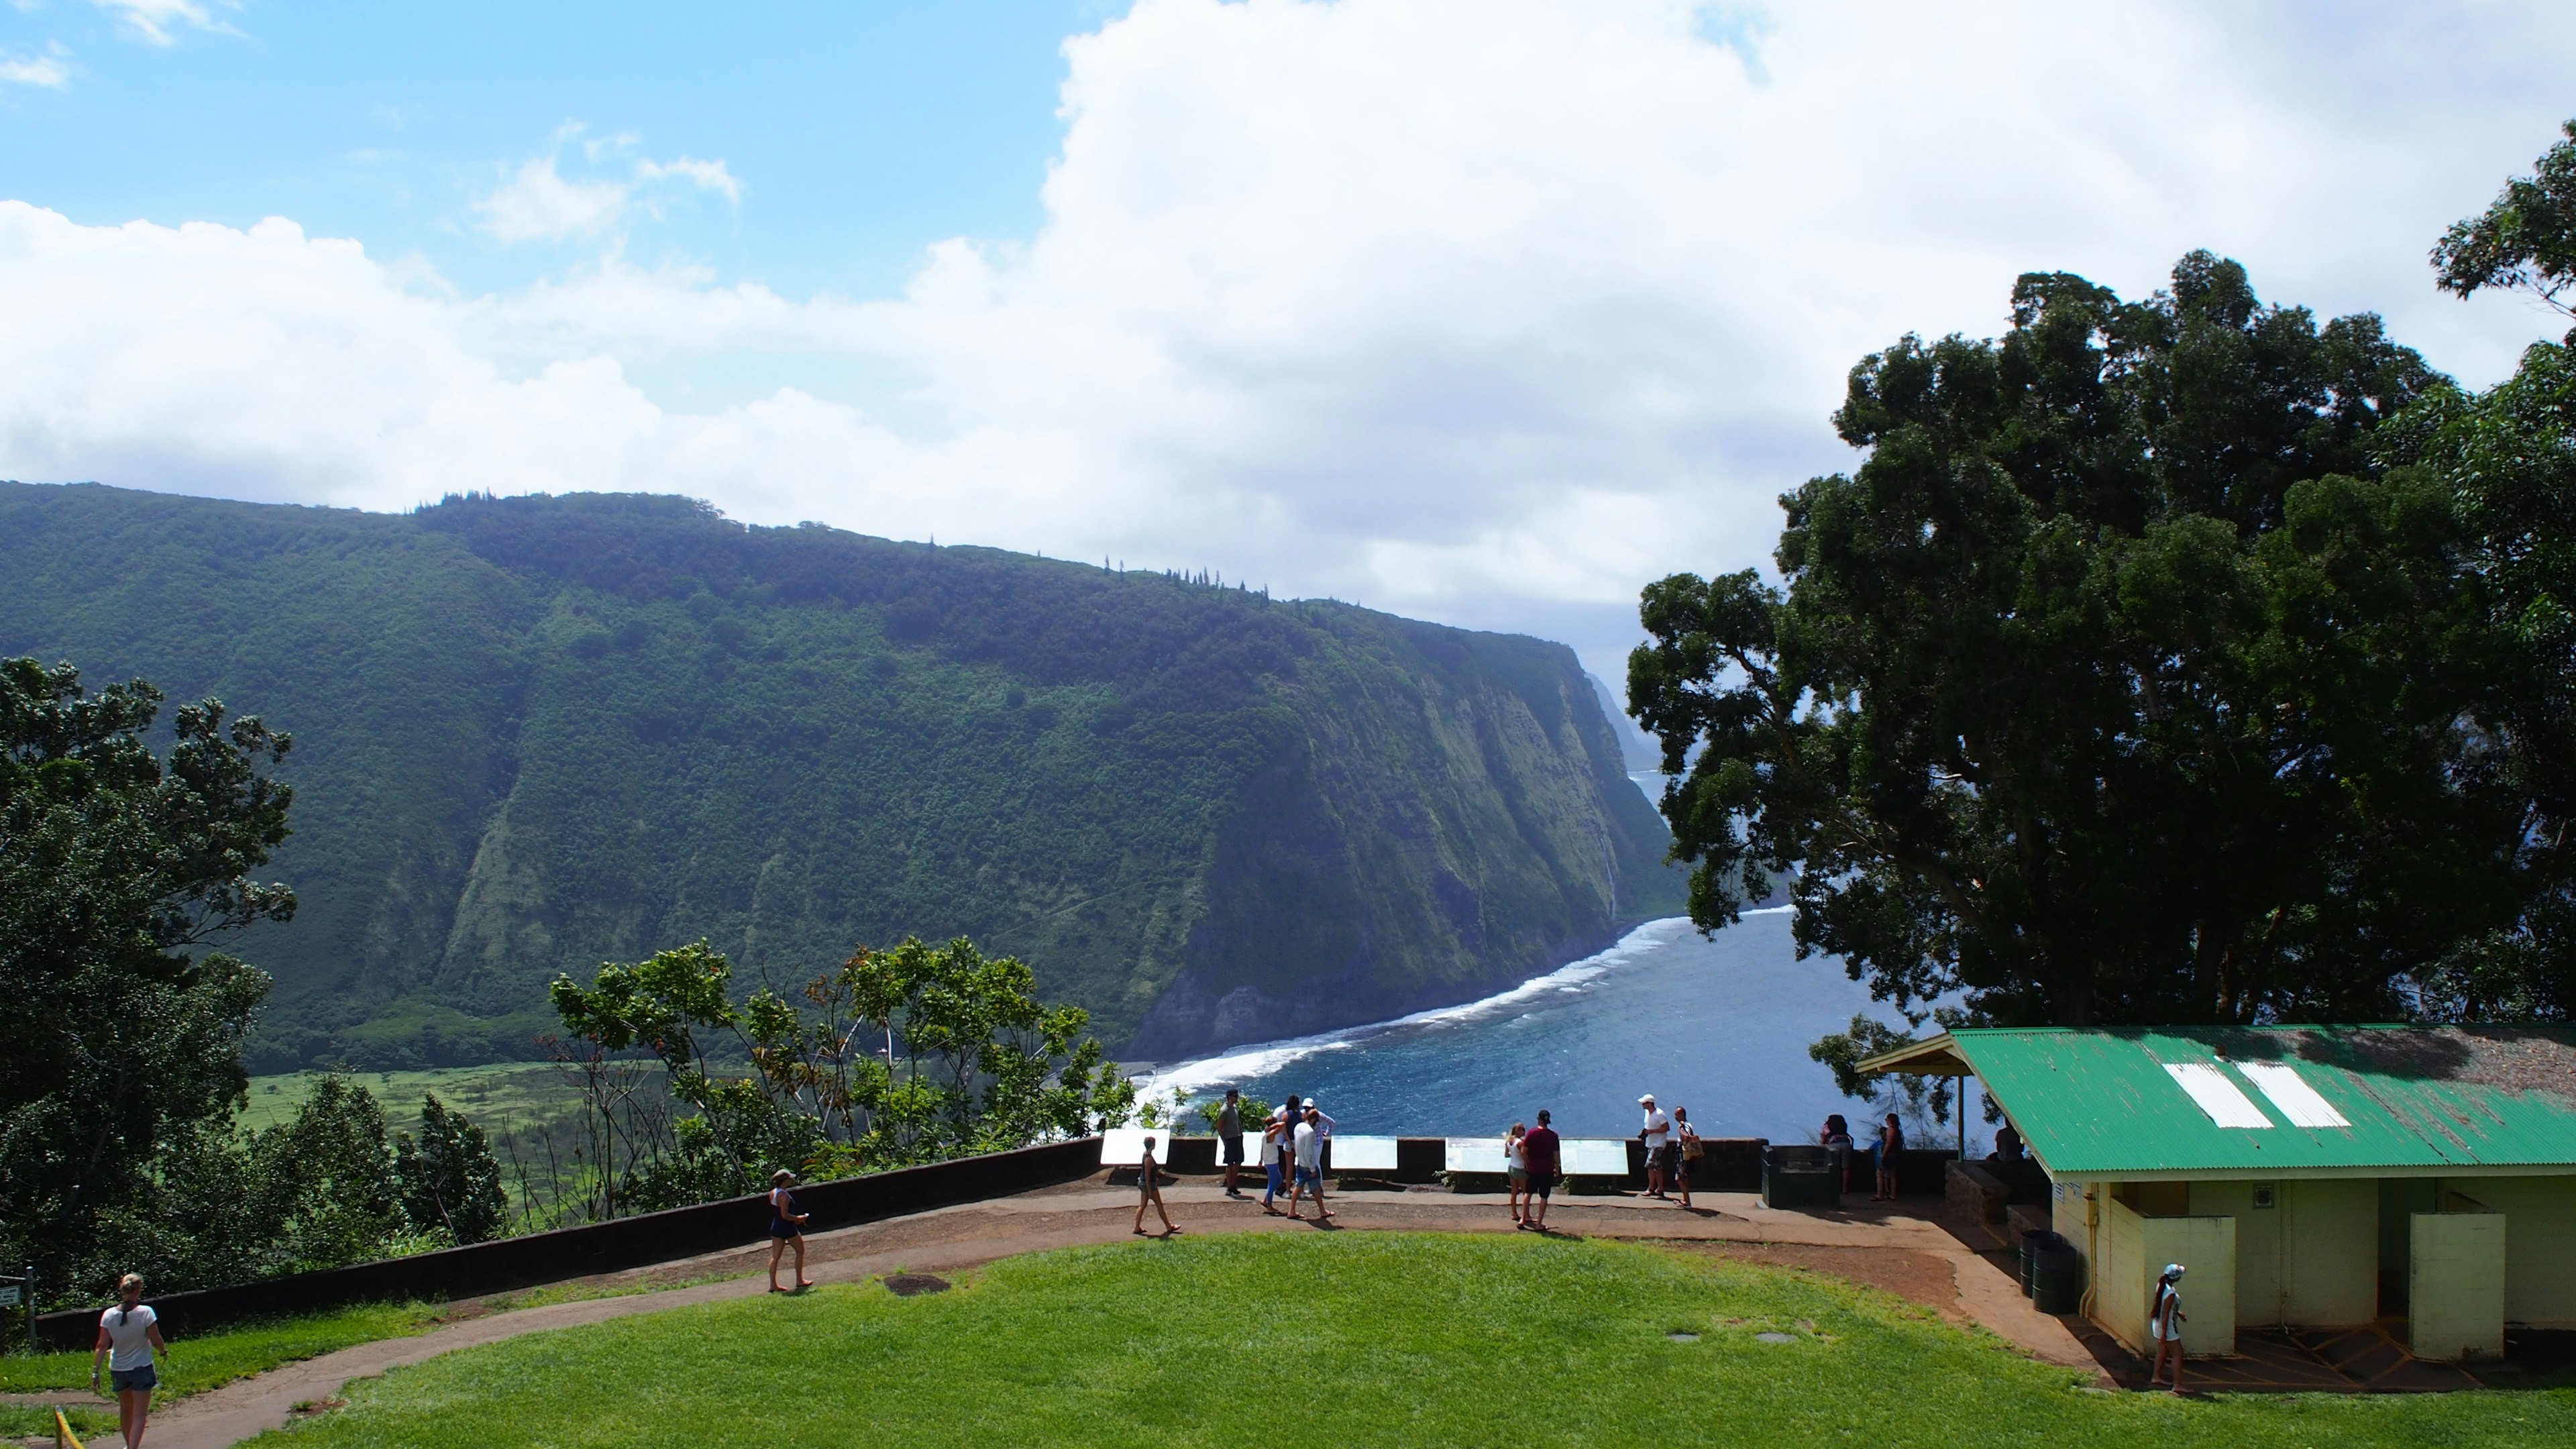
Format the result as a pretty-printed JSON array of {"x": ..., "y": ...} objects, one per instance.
[{"x": 1229, "y": 1137}]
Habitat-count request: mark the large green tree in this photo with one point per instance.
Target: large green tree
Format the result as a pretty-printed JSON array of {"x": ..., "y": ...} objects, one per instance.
[
  {"x": 2120, "y": 682},
  {"x": 2508, "y": 455},
  {"x": 117, "y": 865}
]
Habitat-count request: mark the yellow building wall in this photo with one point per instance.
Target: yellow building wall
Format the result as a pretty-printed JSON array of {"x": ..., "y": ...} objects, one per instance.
[
  {"x": 2455, "y": 1302},
  {"x": 2258, "y": 1247},
  {"x": 2133, "y": 1251},
  {"x": 2329, "y": 1251},
  {"x": 2118, "y": 1273},
  {"x": 2206, "y": 1247},
  {"x": 2540, "y": 1245}
]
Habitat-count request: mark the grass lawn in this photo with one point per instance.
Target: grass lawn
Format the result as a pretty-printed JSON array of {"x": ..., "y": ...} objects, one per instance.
[
  {"x": 1357, "y": 1339},
  {"x": 205, "y": 1360}
]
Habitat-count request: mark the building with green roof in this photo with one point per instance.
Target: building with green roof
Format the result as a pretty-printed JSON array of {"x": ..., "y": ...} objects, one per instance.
[{"x": 2306, "y": 1176}]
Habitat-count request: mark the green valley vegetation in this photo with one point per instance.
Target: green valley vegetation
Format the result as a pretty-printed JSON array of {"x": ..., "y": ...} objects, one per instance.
[
  {"x": 535, "y": 734},
  {"x": 2176, "y": 660},
  {"x": 909, "y": 1055},
  {"x": 1351, "y": 1338}
]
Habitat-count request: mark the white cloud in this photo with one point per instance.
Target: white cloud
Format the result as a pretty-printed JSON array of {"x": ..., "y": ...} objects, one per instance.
[
  {"x": 538, "y": 203},
  {"x": 1486, "y": 311},
  {"x": 51, "y": 70},
  {"x": 159, "y": 21},
  {"x": 706, "y": 175}
]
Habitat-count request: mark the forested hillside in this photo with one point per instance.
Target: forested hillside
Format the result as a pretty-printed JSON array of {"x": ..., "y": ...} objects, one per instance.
[{"x": 532, "y": 734}]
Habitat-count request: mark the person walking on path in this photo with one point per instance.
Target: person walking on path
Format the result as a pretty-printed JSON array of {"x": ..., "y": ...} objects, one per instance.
[
  {"x": 1686, "y": 1150},
  {"x": 786, "y": 1225},
  {"x": 1539, "y": 1154},
  {"x": 1516, "y": 1171},
  {"x": 1229, "y": 1136},
  {"x": 1656, "y": 1134},
  {"x": 129, "y": 1336},
  {"x": 2164, "y": 1324},
  {"x": 1891, "y": 1141},
  {"x": 1149, "y": 1189},
  {"x": 1310, "y": 1165}
]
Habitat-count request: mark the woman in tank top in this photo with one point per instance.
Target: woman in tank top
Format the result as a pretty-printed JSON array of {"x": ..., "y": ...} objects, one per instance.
[
  {"x": 1515, "y": 1168},
  {"x": 786, "y": 1225}
]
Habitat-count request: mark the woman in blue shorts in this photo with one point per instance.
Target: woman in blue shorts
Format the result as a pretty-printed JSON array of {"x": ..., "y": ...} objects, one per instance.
[{"x": 129, "y": 1335}]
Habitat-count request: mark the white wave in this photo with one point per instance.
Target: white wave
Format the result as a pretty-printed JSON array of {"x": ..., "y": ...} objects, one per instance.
[{"x": 1240, "y": 1064}]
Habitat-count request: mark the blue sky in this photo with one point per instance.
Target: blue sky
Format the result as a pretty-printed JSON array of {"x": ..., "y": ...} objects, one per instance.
[
  {"x": 872, "y": 129},
  {"x": 1486, "y": 311}
]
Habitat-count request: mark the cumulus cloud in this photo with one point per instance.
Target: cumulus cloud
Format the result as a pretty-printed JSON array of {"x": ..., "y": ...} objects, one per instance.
[
  {"x": 537, "y": 203},
  {"x": 158, "y": 22},
  {"x": 1484, "y": 311},
  {"x": 51, "y": 70}
]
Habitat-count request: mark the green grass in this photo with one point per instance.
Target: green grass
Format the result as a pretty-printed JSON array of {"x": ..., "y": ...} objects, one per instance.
[
  {"x": 207, "y": 1360},
  {"x": 496, "y": 1098},
  {"x": 1356, "y": 1339}
]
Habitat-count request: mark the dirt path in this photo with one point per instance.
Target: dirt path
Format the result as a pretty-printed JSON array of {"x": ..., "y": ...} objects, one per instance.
[{"x": 1915, "y": 1258}]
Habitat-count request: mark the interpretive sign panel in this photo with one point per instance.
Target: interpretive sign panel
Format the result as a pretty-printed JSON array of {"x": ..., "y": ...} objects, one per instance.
[
  {"x": 1476, "y": 1154},
  {"x": 1125, "y": 1146},
  {"x": 1595, "y": 1157},
  {"x": 1368, "y": 1154}
]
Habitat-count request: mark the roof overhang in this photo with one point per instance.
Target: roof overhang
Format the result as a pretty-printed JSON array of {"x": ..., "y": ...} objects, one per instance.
[{"x": 1937, "y": 1057}]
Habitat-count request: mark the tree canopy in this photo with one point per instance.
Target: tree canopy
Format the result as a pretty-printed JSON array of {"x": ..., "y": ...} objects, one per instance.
[
  {"x": 116, "y": 865},
  {"x": 2123, "y": 681}
]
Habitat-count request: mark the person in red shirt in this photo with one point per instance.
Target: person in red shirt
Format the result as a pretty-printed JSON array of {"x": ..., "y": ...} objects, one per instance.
[{"x": 1539, "y": 1155}]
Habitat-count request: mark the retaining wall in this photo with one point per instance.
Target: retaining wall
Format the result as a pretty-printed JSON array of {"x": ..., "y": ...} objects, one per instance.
[{"x": 636, "y": 1242}]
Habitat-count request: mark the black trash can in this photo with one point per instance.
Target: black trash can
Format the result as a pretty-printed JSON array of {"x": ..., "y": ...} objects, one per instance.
[
  {"x": 1795, "y": 1176},
  {"x": 2057, "y": 1278},
  {"x": 2031, "y": 1242}
]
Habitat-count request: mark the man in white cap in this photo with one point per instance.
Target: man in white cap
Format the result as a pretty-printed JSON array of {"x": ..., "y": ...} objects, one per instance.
[
  {"x": 1657, "y": 1135},
  {"x": 2164, "y": 1325}
]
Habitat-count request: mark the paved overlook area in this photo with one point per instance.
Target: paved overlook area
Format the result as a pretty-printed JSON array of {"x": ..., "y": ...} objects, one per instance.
[{"x": 1908, "y": 1250}]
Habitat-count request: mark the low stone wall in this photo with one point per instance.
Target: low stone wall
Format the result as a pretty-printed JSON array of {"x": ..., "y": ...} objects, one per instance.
[{"x": 636, "y": 1242}]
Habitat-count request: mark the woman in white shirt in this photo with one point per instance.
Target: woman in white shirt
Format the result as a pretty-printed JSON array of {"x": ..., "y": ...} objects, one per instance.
[
  {"x": 1516, "y": 1168},
  {"x": 128, "y": 1336}
]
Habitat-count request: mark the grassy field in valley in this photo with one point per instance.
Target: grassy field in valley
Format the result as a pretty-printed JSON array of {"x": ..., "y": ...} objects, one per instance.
[
  {"x": 497, "y": 1098},
  {"x": 1357, "y": 1339},
  {"x": 206, "y": 1360}
]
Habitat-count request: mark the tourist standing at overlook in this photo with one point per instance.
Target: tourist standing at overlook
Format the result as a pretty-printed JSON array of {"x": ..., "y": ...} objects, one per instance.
[
  {"x": 1310, "y": 1165},
  {"x": 1891, "y": 1141},
  {"x": 1539, "y": 1154},
  {"x": 1229, "y": 1136},
  {"x": 1516, "y": 1171},
  {"x": 1274, "y": 1158},
  {"x": 1837, "y": 1139},
  {"x": 1686, "y": 1150},
  {"x": 129, "y": 1335},
  {"x": 786, "y": 1225},
  {"x": 1656, "y": 1134},
  {"x": 1149, "y": 1189}
]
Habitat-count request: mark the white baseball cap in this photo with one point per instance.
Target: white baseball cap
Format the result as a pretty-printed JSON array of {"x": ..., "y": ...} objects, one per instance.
[{"x": 1647, "y": 1100}]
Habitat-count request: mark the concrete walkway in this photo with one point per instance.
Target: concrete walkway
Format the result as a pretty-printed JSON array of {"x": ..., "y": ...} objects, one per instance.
[{"x": 1915, "y": 1257}]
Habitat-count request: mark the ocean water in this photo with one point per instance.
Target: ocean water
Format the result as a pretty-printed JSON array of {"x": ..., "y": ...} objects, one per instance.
[{"x": 1719, "y": 1025}]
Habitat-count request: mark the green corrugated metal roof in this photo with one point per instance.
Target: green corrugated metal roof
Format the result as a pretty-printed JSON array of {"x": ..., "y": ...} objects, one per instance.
[{"x": 2106, "y": 1103}]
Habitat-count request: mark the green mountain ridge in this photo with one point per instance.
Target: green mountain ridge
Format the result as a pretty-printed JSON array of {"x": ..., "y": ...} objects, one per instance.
[{"x": 537, "y": 733}]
